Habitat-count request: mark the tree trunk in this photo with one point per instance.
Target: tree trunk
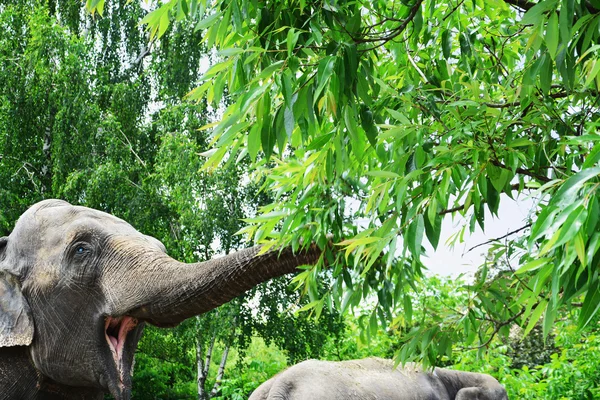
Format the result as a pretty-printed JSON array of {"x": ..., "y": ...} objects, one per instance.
[
  {"x": 201, "y": 377},
  {"x": 46, "y": 170},
  {"x": 217, "y": 385},
  {"x": 203, "y": 364}
]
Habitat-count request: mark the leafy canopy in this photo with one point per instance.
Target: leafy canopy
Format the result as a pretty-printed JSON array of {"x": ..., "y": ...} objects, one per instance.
[{"x": 399, "y": 114}]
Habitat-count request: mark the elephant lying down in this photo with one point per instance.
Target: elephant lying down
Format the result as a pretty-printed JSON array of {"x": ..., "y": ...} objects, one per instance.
[{"x": 376, "y": 379}]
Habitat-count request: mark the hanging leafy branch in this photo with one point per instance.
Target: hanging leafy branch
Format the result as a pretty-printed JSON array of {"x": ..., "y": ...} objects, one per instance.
[{"x": 401, "y": 113}]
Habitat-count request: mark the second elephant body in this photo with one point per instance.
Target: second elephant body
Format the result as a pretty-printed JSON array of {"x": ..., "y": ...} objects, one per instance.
[{"x": 376, "y": 379}]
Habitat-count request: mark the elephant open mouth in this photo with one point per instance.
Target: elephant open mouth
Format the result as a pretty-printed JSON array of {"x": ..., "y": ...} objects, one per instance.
[{"x": 115, "y": 331}]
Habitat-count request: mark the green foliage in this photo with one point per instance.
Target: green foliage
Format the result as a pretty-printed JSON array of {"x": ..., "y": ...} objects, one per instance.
[
  {"x": 531, "y": 350},
  {"x": 393, "y": 115},
  {"x": 258, "y": 364},
  {"x": 572, "y": 373},
  {"x": 83, "y": 120},
  {"x": 298, "y": 334},
  {"x": 400, "y": 115},
  {"x": 165, "y": 363}
]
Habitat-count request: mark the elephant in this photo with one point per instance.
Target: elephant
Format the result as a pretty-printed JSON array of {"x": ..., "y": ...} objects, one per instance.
[
  {"x": 376, "y": 378},
  {"x": 77, "y": 286}
]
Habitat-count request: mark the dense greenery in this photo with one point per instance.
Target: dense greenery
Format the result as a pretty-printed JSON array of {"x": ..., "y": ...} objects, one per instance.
[
  {"x": 84, "y": 116},
  {"x": 401, "y": 114},
  {"x": 371, "y": 121}
]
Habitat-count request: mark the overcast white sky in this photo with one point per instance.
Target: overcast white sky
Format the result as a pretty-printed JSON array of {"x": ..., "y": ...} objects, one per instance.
[{"x": 452, "y": 262}]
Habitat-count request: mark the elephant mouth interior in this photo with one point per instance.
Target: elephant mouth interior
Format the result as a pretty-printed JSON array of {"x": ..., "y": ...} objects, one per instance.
[{"x": 116, "y": 330}]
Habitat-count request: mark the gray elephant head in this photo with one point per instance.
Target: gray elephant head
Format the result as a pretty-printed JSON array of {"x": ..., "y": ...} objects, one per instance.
[{"x": 77, "y": 286}]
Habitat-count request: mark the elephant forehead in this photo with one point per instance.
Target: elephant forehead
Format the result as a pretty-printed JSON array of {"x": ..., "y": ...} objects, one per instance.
[{"x": 61, "y": 218}]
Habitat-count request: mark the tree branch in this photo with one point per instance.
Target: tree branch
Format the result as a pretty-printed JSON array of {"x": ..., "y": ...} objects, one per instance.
[
  {"x": 220, "y": 373},
  {"x": 392, "y": 34},
  {"x": 501, "y": 237},
  {"x": 522, "y": 171},
  {"x": 451, "y": 210},
  {"x": 514, "y": 186},
  {"x": 497, "y": 326},
  {"x": 522, "y": 4},
  {"x": 558, "y": 95}
]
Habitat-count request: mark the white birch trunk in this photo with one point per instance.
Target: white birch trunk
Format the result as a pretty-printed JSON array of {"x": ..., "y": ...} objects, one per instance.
[{"x": 220, "y": 373}]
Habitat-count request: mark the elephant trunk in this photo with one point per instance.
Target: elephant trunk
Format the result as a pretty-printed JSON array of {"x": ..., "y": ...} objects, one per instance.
[{"x": 164, "y": 292}]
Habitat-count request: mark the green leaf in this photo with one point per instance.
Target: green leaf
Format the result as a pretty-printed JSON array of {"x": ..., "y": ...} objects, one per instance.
[
  {"x": 351, "y": 124},
  {"x": 535, "y": 316},
  {"x": 418, "y": 21},
  {"x": 568, "y": 191},
  {"x": 268, "y": 71},
  {"x": 366, "y": 120},
  {"x": 408, "y": 310},
  {"x": 591, "y": 304},
  {"x": 323, "y": 74},
  {"x": 592, "y": 157},
  {"x": 267, "y": 136},
  {"x": 520, "y": 142},
  {"x": 572, "y": 226},
  {"x": 311, "y": 305},
  {"x": 95, "y": 5},
  {"x": 498, "y": 177},
  {"x": 373, "y": 323},
  {"x": 399, "y": 116},
  {"x": 579, "y": 244},
  {"x": 552, "y": 35},
  {"x": 593, "y": 73},
  {"x": 289, "y": 121},
  {"x": 567, "y": 11},
  {"x": 292, "y": 38},
  {"x": 231, "y": 51},
  {"x": 533, "y": 265},
  {"x": 414, "y": 235},
  {"x": 446, "y": 44},
  {"x": 549, "y": 319},
  {"x": 534, "y": 15},
  {"x": 384, "y": 174},
  {"x": 286, "y": 88},
  {"x": 164, "y": 23},
  {"x": 433, "y": 231},
  {"x": 546, "y": 73},
  {"x": 208, "y": 21},
  {"x": 181, "y": 10},
  {"x": 254, "y": 141}
]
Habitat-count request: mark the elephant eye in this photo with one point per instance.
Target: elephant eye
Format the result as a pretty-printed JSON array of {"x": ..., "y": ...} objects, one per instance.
[{"x": 81, "y": 249}]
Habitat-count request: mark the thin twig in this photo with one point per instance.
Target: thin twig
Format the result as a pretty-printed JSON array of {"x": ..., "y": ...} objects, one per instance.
[
  {"x": 522, "y": 171},
  {"x": 522, "y": 4},
  {"x": 498, "y": 326},
  {"x": 500, "y": 238},
  {"x": 394, "y": 33},
  {"x": 460, "y": 3},
  {"x": 558, "y": 95},
  {"x": 514, "y": 186},
  {"x": 132, "y": 150}
]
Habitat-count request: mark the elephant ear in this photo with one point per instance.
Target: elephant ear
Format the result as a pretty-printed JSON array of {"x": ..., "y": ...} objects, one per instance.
[{"x": 16, "y": 323}]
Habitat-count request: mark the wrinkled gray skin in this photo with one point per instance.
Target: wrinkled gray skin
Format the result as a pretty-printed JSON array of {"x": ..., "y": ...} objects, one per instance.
[
  {"x": 376, "y": 379},
  {"x": 77, "y": 286}
]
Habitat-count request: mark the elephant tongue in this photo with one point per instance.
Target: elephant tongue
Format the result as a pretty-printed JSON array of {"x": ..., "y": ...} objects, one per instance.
[
  {"x": 116, "y": 332},
  {"x": 114, "y": 341}
]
